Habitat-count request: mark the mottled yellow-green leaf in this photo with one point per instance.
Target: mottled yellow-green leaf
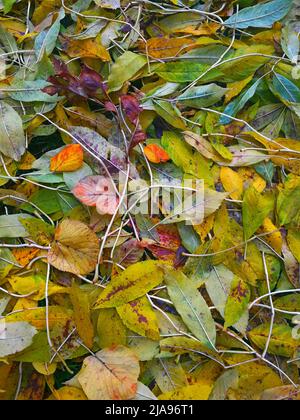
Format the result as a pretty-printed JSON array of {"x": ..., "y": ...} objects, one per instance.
[
  {"x": 131, "y": 284},
  {"x": 237, "y": 302},
  {"x": 282, "y": 342},
  {"x": 139, "y": 316},
  {"x": 256, "y": 207},
  {"x": 111, "y": 330},
  {"x": 82, "y": 315}
]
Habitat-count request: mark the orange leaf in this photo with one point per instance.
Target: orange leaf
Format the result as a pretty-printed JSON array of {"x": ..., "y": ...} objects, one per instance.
[
  {"x": 164, "y": 47},
  {"x": 25, "y": 255},
  {"x": 156, "y": 154},
  {"x": 68, "y": 160},
  {"x": 87, "y": 48}
]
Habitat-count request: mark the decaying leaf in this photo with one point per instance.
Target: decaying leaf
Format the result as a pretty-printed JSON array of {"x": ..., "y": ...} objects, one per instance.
[
  {"x": 110, "y": 375},
  {"x": 149, "y": 201},
  {"x": 75, "y": 248}
]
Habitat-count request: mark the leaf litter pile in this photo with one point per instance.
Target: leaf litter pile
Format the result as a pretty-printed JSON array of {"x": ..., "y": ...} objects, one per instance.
[{"x": 105, "y": 108}]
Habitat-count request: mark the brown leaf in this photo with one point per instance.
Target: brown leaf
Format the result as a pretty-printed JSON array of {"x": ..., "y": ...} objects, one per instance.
[{"x": 75, "y": 248}]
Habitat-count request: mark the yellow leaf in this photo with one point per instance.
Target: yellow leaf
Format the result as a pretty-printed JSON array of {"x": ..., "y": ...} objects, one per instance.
[
  {"x": 139, "y": 317},
  {"x": 232, "y": 183},
  {"x": 293, "y": 239},
  {"x": 37, "y": 317},
  {"x": 205, "y": 227},
  {"x": 111, "y": 330},
  {"x": 75, "y": 248},
  {"x": 274, "y": 238},
  {"x": 198, "y": 391},
  {"x": 254, "y": 378},
  {"x": 111, "y": 375},
  {"x": 35, "y": 284},
  {"x": 166, "y": 47},
  {"x": 69, "y": 159},
  {"x": 87, "y": 48},
  {"x": 251, "y": 178},
  {"x": 235, "y": 88},
  {"x": 14, "y": 27},
  {"x": 204, "y": 29},
  {"x": 68, "y": 393},
  {"x": 45, "y": 368},
  {"x": 131, "y": 284},
  {"x": 81, "y": 307}
]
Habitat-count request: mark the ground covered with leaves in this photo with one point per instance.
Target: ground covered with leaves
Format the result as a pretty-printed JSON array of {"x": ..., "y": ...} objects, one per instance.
[{"x": 113, "y": 116}]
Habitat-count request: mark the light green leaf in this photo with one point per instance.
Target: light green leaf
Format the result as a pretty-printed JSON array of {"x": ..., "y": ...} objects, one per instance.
[
  {"x": 12, "y": 137},
  {"x": 191, "y": 306},
  {"x": 202, "y": 96},
  {"x": 15, "y": 337},
  {"x": 125, "y": 68},
  {"x": 256, "y": 207},
  {"x": 260, "y": 15},
  {"x": 169, "y": 113},
  {"x": 228, "y": 379},
  {"x": 11, "y": 227},
  {"x": 290, "y": 43},
  {"x": 30, "y": 91},
  {"x": 45, "y": 42},
  {"x": 237, "y": 302}
]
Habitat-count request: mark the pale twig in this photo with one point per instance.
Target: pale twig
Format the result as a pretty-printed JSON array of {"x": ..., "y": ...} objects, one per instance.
[{"x": 272, "y": 307}]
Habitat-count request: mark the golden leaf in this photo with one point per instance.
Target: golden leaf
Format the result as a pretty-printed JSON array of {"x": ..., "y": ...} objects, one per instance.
[{"x": 75, "y": 248}]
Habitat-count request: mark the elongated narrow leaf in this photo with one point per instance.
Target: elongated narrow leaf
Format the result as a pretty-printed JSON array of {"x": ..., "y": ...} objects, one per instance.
[
  {"x": 192, "y": 307},
  {"x": 260, "y": 15},
  {"x": 12, "y": 135},
  {"x": 133, "y": 283}
]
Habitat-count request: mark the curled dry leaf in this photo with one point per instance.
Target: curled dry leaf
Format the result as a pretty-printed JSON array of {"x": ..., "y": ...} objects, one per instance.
[{"x": 75, "y": 248}]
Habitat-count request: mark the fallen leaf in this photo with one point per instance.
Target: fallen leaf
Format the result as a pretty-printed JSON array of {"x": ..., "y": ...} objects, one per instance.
[
  {"x": 74, "y": 249},
  {"x": 68, "y": 160}
]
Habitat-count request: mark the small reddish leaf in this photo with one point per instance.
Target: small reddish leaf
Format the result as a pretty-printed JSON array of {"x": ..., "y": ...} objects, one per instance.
[
  {"x": 97, "y": 191},
  {"x": 156, "y": 154}
]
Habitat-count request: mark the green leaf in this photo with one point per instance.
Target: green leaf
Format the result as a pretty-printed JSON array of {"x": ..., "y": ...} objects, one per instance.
[
  {"x": 290, "y": 303},
  {"x": 191, "y": 306},
  {"x": 30, "y": 91},
  {"x": 282, "y": 342},
  {"x": 169, "y": 113},
  {"x": 238, "y": 104},
  {"x": 8, "y": 5},
  {"x": 125, "y": 68},
  {"x": 256, "y": 207},
  {"x": 290, "y": 43},
  {"x": 202, "y": 96},
  {"x": 11, "y": 226},
  {"x": 45, "y": 42},
  {"x": 261, "y": 15},
  {"x": 237, "y": 302},
  {"x": 288, "y": 201},
  {"x": 285, "y": 89},
  {"x": 182, "y": 72},
  {"x": 12, "y": 137}
]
